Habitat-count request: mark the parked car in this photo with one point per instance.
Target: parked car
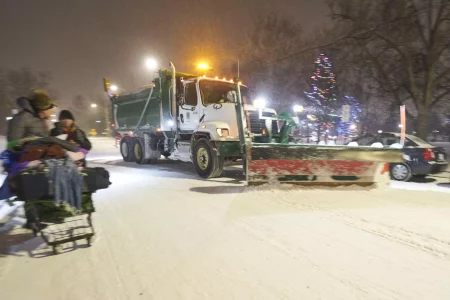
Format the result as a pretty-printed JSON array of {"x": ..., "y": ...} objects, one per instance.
[{"x": 421, "y": 158}]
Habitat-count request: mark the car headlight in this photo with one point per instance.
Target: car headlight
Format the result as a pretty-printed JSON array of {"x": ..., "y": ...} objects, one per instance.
[{"x": 223, "y": 132}]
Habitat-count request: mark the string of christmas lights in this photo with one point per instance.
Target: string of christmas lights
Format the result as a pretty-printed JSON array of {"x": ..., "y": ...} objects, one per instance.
[
  {"x": 322, "y": 96},
  {"x": 350, "y": 128}
]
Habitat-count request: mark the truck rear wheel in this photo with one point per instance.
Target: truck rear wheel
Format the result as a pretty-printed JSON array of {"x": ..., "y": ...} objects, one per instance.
[
  {"x": 139, "y": 152},
  {"x": 206, "y": 162},
  {"x": 125, "y": 149}
]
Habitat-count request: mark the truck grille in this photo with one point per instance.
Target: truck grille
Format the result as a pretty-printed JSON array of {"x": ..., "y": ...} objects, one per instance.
[
  {"x": 268, "y": 114},
  {"x": 256, "y": 124}
]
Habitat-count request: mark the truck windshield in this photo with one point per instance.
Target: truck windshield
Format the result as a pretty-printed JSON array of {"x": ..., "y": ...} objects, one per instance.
[{"x": 214, "y": 92}]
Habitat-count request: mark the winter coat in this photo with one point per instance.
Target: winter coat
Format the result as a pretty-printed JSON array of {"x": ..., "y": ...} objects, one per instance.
[
  {"x": 74, "y": 134},
  {"x": 26, "y": 124}
]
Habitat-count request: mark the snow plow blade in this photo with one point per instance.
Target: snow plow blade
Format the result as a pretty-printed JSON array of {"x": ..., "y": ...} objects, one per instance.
[{"x": 319, "y": 165}]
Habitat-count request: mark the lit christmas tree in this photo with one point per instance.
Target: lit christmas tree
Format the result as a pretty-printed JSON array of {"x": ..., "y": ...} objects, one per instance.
[
  {"x": 351, "y": 127},
  {"x": 323, "y": 96}
]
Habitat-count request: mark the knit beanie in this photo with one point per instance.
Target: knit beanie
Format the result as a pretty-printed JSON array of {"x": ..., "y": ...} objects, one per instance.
[
  {"x": 66, "y": 115},
  {"x": 40, "y": 100}
]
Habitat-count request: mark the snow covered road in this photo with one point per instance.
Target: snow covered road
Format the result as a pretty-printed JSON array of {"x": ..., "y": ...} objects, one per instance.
[{"x": 164, "y": 234}]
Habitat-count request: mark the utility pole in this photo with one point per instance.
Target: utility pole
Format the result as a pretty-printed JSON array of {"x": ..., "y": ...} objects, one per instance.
[{"x": 106, "y": 116}]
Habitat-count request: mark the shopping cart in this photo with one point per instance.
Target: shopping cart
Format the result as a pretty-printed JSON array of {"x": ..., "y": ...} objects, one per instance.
[
  {"x": 57, "y": 226},
  {"x": 57, "y": 221}
]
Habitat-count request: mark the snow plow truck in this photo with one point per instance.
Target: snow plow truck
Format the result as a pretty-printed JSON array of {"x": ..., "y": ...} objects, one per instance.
[{"x": 210, "y": 122}]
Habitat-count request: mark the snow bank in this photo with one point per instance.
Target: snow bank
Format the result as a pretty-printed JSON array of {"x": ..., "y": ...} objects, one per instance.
[
  {"x": 411, "y": 186},
  {"x": 6, "y": 210},
  {"x": 2, "y": 143},
  {"x": 184, "y": 157}
]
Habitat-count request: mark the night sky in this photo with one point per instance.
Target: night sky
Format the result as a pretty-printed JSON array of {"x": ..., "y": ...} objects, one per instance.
[{"x": 81, "y": 41}]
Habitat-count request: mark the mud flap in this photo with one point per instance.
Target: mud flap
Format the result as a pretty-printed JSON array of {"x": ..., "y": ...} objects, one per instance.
[
  {"x": 319, "y": 165},
  {"x": 150, "y": 154}
]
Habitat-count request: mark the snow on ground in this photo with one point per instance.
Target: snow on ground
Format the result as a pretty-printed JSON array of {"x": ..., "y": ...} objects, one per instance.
[{"x": 162, "y": 233}]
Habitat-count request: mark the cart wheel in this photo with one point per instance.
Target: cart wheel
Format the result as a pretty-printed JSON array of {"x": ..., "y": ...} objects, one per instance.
[
  {"x": 56, "y": 250},
  {"x": 88, "y": 242}
]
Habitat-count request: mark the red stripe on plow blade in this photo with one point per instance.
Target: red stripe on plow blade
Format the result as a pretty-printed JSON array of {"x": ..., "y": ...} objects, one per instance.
[
  {"x": 309, "y": 167},
  {"x": 319, "y": 172}
]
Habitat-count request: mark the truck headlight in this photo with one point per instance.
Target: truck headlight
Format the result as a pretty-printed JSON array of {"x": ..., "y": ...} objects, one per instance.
[{"x": 223, "y": 132}]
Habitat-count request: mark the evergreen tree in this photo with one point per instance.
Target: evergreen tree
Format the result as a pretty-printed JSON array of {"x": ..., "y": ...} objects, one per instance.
[{"x": 323, "y": 98}]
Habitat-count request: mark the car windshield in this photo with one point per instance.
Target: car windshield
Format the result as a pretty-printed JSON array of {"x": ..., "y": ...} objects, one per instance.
[{"x": 214, "y": 92}]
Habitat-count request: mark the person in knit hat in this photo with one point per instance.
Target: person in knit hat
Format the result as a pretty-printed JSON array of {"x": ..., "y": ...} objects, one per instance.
[
  {"x": 32, "y": 120},
  {"x": 66, "y": 125}
]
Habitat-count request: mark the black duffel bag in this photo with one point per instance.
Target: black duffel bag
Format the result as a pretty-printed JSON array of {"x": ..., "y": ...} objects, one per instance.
[
  {"x": 34, "y": 183},
  {"x": 95, "y": 179}
]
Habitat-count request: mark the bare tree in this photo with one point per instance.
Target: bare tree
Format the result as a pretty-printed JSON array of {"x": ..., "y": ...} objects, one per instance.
[
  {"x": 85, "y": 114},
  {"x": 204, "y": 40},
  {"x": 406, "y": 44},
  {"x": 282, "y": 81},
  {"x": 18, "y": 83}
]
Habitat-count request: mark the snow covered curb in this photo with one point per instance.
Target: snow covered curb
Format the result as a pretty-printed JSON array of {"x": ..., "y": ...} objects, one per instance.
[
  {"x": 281, "y": 187},
  {"x": 6, "y": 211}
]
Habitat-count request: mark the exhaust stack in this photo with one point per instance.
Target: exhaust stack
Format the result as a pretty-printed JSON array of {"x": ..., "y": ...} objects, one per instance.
[{"x": 174, "y": 98}]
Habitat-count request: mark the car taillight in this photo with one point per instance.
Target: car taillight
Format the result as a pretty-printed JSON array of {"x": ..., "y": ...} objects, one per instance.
[{"x": 428, "y": 154}]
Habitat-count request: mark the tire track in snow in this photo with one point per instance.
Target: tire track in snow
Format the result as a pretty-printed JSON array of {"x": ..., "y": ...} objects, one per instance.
[{"x": 412, "y": 239}]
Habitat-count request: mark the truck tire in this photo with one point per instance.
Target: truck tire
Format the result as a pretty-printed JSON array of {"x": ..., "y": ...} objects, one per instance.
[
  {"x": 206, "y": 162},
  {"x": 125, "y": 149},
  {"x": 139, "y": 152}
]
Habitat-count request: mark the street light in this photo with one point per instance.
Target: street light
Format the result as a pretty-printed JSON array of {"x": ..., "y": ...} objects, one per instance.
[
  {"x": 114, "y": 88},
  {"x": 259, "y": 102},
  {"x": 298, "y": 108},
  {"x": 203, "y": 68},
  {"x": 98, "y": 121},
  {"x": 93, "y": 105},
  {"x": 151, "y": 63}
]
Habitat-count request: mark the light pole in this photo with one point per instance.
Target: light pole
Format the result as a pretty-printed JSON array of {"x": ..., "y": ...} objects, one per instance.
[{"x": 298, "y": 109}]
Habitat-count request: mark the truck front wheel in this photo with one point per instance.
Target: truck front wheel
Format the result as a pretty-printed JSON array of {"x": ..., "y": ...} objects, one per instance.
[{"x": 206, "y": 162}]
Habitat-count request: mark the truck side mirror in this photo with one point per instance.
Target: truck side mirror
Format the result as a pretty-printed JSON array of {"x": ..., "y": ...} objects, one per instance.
[
  {"x": 106, "y": 85},
  {"x": 231, "y": 96}
]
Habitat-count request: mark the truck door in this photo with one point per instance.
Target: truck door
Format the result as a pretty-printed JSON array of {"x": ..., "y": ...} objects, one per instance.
[{"x": 189, "y": 112}]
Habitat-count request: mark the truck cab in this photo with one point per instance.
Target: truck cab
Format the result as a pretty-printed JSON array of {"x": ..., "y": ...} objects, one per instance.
[{"x": 195, "y": 121}]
